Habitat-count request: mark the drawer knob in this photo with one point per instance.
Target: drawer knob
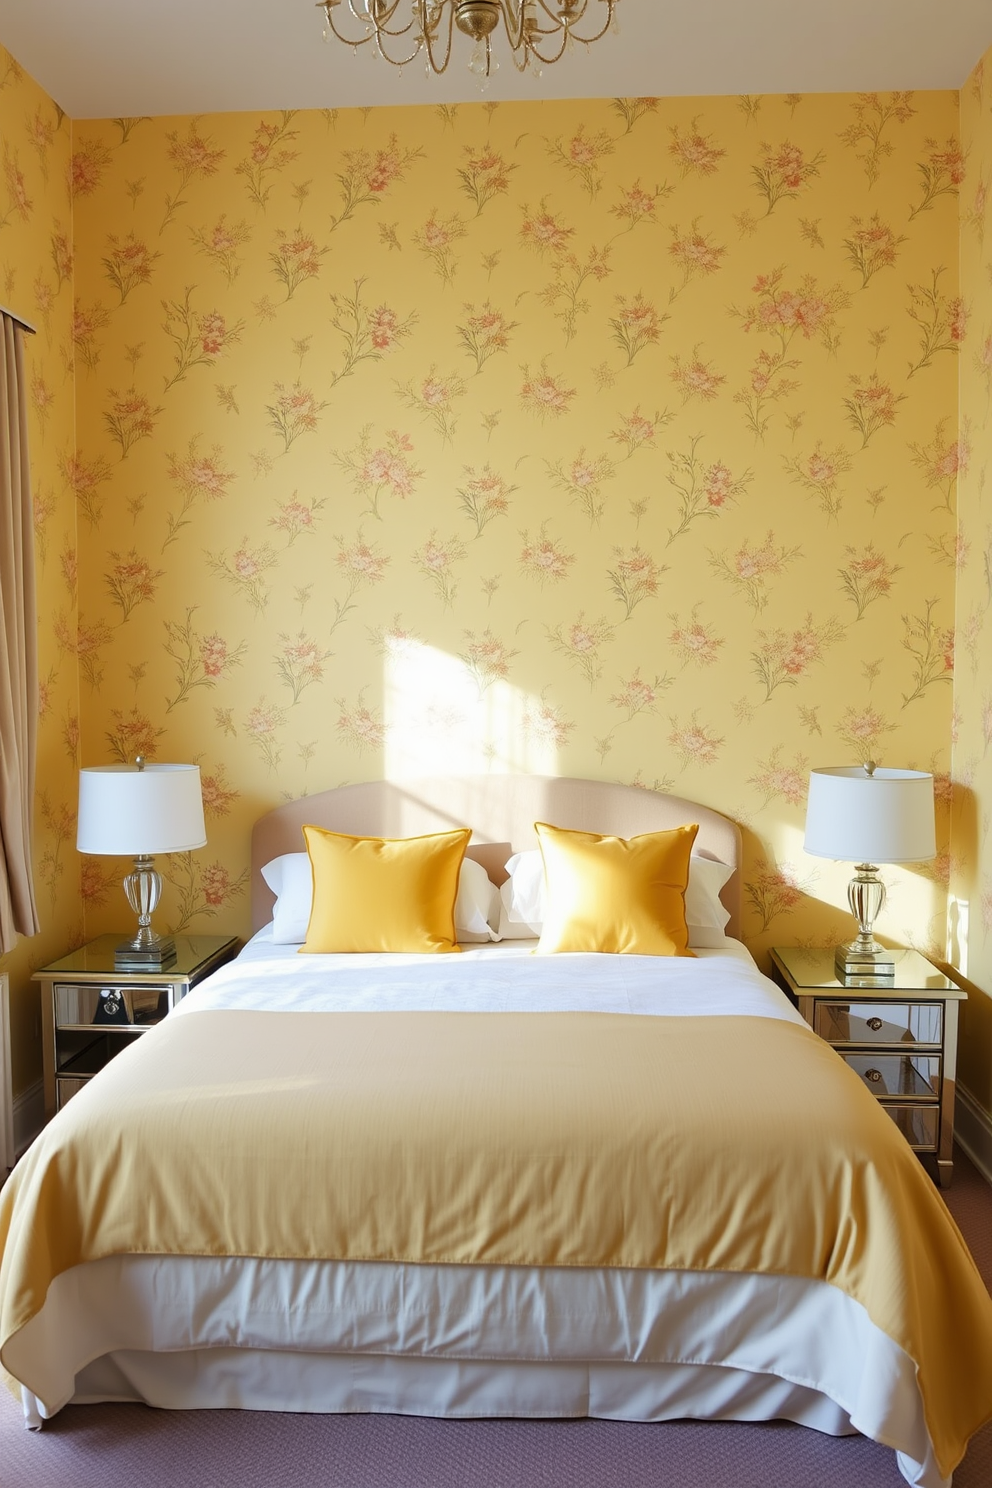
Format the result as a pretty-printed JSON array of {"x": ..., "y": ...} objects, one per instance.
[
  {"x": 873, "y": 1075},
  {"x": 874, "y": 1024}
]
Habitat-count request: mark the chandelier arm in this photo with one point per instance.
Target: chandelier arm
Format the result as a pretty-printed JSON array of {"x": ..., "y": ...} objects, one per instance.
[
  {"x": 347, "y": 40},
  {"x": 397, "y": 61},
  {"x": 554, "y": 13},
  {"x": 356, "y": 41},
  {"x": 514, "y": 13},
  {"x": 429, "y": 43},
  {"x": 382, "y": 28},
  {"x": 367, "y": 16},
  {"x": 538, "y": 34},
  {"x": 611, "y": 6},
  {"x": 547, "y": 61},
  {"x": 524, "y": 33},
  {"x": 570, "y": 28}
]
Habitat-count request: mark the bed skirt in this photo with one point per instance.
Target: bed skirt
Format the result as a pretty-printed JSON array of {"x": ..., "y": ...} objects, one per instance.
[{"x": 462, "y": 1341}]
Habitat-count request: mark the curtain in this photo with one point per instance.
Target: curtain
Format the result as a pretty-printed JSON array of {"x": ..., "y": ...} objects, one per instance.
[{"x": 18, "y": 648}]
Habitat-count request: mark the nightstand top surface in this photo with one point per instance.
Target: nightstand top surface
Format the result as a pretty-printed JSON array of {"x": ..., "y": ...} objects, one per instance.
[
  {"x": 96, "y": 959},
  {"x": 811, "y": 969}
]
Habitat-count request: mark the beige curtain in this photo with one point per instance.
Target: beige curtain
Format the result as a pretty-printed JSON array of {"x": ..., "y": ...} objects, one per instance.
[{"x": 18, "y": 648}]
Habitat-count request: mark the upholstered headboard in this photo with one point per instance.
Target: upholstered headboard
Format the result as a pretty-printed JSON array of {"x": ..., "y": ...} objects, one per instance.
[{"x": 501, "y": 810}]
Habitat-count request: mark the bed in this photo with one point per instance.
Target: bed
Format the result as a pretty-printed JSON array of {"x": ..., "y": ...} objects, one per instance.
[{"x": 493, "y": 1183}]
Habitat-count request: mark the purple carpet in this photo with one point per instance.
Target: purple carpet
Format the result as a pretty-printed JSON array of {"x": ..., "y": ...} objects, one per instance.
[{"x": 130, "y": 1446}]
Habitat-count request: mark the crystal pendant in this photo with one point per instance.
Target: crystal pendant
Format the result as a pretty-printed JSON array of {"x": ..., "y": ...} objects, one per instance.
[
  {"x": 478, "y": 62},
  {"x": 486, "y": 78}
]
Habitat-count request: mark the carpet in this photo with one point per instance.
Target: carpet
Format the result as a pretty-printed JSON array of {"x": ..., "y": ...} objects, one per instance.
[{"x": 131, "y": 1446}]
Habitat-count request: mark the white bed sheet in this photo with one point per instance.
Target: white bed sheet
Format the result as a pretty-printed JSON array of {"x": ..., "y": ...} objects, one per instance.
[
  {"x": 505, "y": 977},
  {"x": 197, "y": 1332}
]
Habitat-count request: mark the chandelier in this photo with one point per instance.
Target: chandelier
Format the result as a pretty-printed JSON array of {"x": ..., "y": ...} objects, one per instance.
[{"x": 538, "y": 31}]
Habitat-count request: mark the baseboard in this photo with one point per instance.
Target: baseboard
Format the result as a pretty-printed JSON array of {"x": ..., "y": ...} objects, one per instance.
[
  {"x": 29, "y": 1116},
  {"x": 973, "y": 1131}
]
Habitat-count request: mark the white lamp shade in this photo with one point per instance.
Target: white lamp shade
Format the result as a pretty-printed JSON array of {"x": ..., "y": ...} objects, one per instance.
[
  {"x": 855, "y": 817},
  {"x": 127, "y": 811}
]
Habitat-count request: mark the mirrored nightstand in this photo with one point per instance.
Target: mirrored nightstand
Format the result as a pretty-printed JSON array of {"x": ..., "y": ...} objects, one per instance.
[
  {"x": 901, "y": 1038},
  {"x": 90, "y": 1010}
]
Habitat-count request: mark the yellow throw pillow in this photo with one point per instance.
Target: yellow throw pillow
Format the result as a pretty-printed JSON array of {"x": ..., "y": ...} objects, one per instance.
[
  {"x": 624, "y": 896},
  {"x": 382, "y": 893}
]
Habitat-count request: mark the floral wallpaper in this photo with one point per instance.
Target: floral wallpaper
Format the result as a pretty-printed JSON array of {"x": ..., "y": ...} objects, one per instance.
[
  {"x": 617, "y": 439},
  {"x": 36, "y": 266},
  {"x": 970, "y": 906},
  {"x": 614, "y": 439}
]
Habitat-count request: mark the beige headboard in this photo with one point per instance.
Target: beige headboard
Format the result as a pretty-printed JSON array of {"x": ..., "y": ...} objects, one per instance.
[{"x": 501, "y": 810}]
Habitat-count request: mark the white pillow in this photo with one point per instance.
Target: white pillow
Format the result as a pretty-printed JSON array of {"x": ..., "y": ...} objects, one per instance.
[
  {"x": 705, "y": 913},
  {"x": 522, "y": 899},
  {"x": 510, "y": 926},
  {"x": 523, "y": 893},
  {"x": 477, "y": 905},
  {"x": 291, "y": 881}
]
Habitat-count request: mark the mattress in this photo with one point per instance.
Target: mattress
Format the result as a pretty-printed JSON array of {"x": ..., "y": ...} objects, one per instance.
[{"x": 477, "y": 1340}]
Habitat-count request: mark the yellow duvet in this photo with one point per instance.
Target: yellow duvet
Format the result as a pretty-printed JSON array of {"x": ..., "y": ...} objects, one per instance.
[{"x": 539, "y": 1139}]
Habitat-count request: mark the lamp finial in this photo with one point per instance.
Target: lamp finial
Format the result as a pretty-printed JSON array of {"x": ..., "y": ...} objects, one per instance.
[
  {"x": 869, "y": 767},
  {"x": 139, "y": 761}
]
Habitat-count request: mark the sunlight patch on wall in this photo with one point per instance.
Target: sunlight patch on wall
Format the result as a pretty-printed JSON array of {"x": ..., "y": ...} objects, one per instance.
[
  {"x": 957, "y": 932},
  {"x": 450, "y": 715}
]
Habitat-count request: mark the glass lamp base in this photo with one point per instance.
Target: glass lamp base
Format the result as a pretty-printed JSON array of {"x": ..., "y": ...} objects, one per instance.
[
  {"x": 146, "y": 949},
  {"x": 863, "y": 956}
]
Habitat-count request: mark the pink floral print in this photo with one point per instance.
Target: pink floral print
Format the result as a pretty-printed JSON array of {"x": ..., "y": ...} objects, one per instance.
[
  {"x": 544, "y": 558},
  {"x": 694, "y": 743},
  {"x": 694, "y": 152}
]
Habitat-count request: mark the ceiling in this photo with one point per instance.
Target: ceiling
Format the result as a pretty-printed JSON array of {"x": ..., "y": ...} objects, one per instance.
[{"x": 119, "y": 58}]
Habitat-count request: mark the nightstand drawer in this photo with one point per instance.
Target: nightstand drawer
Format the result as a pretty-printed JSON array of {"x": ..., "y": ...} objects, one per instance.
[
  {"x": 864, "y": 1022},
  {"x": 914, "y": 1077},
  {"x": 80, "y": 1068},
  {"x": 920, "y": 1125},
  {"x": 79, "y": 1006},
  {"x": 65, "y": 1089}
]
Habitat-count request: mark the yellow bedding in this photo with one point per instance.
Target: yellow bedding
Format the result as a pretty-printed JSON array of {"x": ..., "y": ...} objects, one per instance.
[{"x": 580, "y": 1139}]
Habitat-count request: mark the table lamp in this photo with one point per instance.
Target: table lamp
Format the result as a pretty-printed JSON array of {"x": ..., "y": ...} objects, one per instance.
[
  {"x": 867, "y": 815},
  {"x": 138, "y": 810}
]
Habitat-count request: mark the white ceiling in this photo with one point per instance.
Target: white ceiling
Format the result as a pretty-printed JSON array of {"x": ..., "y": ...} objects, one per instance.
[{"x": 116, "y": 58}]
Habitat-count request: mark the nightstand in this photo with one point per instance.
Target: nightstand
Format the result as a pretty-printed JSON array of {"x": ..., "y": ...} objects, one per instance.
[
  {"x": 901, "y": 1037},
  {"x": 90, "y": 1011}
]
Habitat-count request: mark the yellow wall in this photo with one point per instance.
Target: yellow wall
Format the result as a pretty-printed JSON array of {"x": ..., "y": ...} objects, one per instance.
[
  {"x": 613, "y": 439},
  {"x": 971, "y": 886},
  {"x": 607, "y": 439},
  {"x": 36, "y": 275}
]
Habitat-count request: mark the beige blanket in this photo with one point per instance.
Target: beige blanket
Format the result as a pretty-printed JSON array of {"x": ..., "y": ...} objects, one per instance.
[{"x": 734, "y": 1144}]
